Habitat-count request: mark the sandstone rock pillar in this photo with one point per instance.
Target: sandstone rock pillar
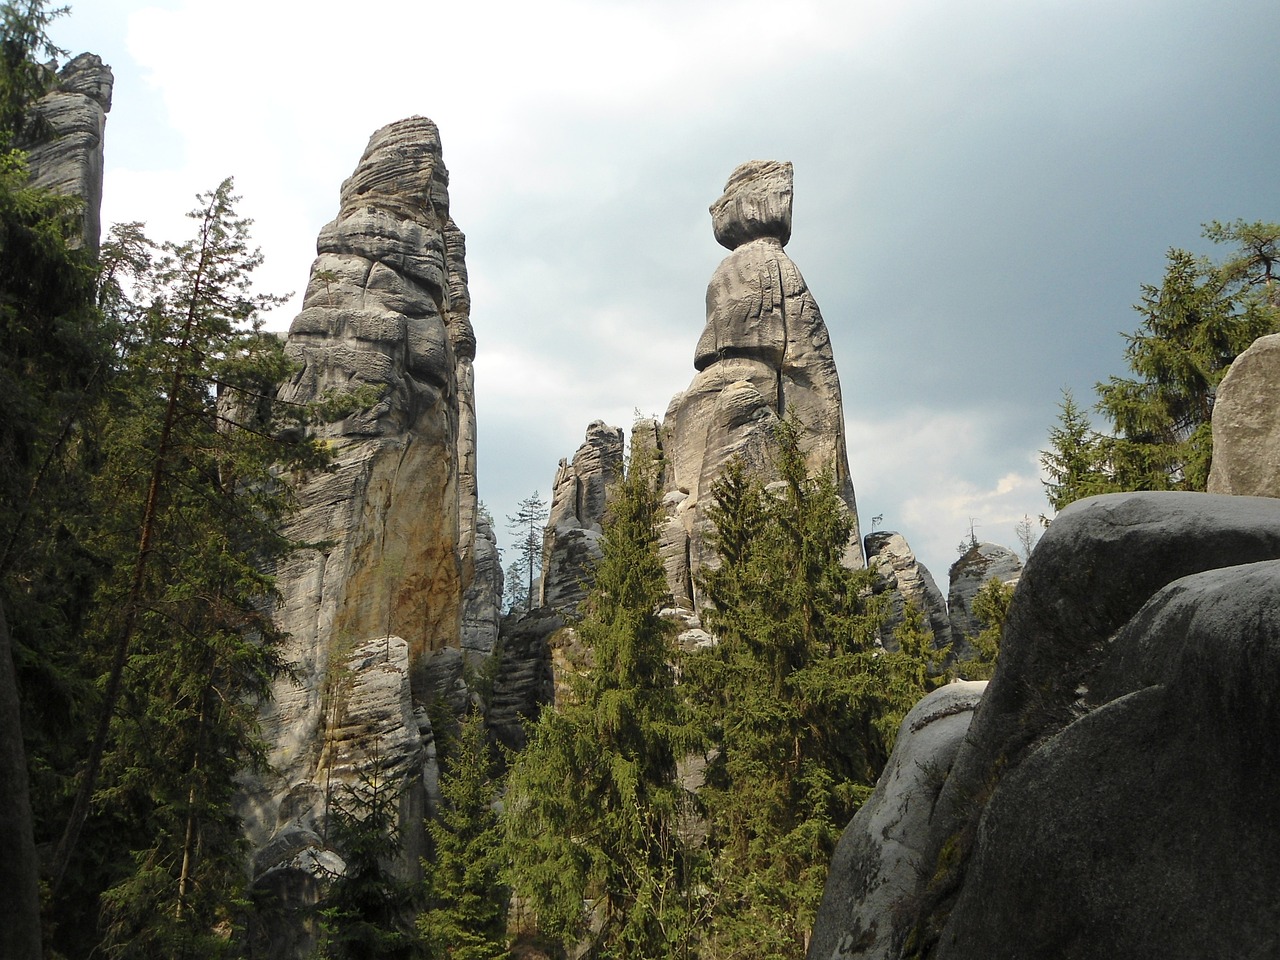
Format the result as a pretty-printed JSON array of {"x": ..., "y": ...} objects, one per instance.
[{"x": 764, "y": 355}]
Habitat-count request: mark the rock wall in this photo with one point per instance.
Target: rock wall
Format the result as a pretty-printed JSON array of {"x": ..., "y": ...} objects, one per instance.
[
  {"x": 968, "y": 575},
  {"x": 67, "y": 157},
  {"x": 1113, "y": 794},
  {"x": 764, "y": 354},
  {"x": 397, "y": 547},
  {"x": 902, "y": 579},
  {"x": 571, "y": 542}
]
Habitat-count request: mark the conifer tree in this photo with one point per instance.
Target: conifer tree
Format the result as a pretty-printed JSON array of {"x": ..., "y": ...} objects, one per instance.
[
  {"x": 1075, "y": 461},
  {"x": 594, "y": 812},
  {"x": 188, "y": 507},
  {"x": 526, "y": 523},
  {"x": 1199, "y": 319},
  {"x": 466, "y": 897},
  {"x": 366, "y": 911},
  {"x": 798, "y": 700}
]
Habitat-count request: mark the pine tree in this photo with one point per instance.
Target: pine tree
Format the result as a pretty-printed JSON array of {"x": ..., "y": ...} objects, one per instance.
[
  {"x": 798, "y": 699},
  {"x": 189, "y": 503},
  {"x": 466, "y": 897},
  {"x": 990, "y": 609},
  {"x": 594, "y": 810},
  {"x": 365, "y": 913}
]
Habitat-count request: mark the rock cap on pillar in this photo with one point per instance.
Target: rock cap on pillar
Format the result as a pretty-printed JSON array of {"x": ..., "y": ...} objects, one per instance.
[{"x": 756, "y": 204}]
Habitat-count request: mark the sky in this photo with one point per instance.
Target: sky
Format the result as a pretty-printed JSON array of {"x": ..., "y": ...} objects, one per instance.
[{"x": 982, "y": 187}]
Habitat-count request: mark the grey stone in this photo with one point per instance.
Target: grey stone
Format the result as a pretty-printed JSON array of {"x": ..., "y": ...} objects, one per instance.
[
  {"x": 902, "y": 579},
  {"x": 1246, "y": 424},
  {"x": 400, "y": 547},
  {"x": 1149, "y": 822},
  {"x": 870, "y": 891},
  {"x": 763, "y": 355},
  {"x": 969, "y": 575},
  {"x": 68, "y": 158},
  {"x": 579, "y": 496},
  {"x": 1067, "y": 654}
]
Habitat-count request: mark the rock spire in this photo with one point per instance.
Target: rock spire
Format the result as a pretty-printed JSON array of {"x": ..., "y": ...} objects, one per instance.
[
  {"x": 403, "y": 566},
  {"x": 764, "y": 355}
]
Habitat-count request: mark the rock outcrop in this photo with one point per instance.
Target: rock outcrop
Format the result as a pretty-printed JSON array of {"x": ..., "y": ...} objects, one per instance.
[
  {"x": 1113, "y": 793},
  {"x": 64, "y": 153},
  {"x": 968, "y": 575},
  {"x": 1246, "y": 424},
  {"x": 571, "y": 542},
  {"x": 877, "y": 863},
  {"x": 397, "y": 546},
  {"x": 902, "y": 579},
  {"x": 764, "y": 355}
]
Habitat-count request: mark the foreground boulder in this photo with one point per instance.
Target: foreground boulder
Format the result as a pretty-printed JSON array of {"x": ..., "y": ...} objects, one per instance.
[
  {"x": 1113, "y": 795},
  {"x": 879, "y": 858},
  {"x": 1246, "y": 424}
]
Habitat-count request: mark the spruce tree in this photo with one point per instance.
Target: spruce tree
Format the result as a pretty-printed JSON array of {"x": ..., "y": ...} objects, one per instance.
[
  {"x": 1075, "y": 462},
  {"x": 466, "y": 896},
  {"x": 189, "y": 502},
  {"x": 798, "y": 699},
  {"x": 594, "y": 812},
  {"x": 1200, "y": 318},
  {"x": 526, "y": 523}
]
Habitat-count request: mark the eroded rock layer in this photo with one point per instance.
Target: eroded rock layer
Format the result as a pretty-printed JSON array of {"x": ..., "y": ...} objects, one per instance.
[
  {"x": 66, "y": 156},
  {"x": 1246, "y": 424},
  {"x": 901, "y": 579},
  {"x": 397, "y": 546},
  {"x": 764, "y": 355},
  {"x": 571, "y": 542}
]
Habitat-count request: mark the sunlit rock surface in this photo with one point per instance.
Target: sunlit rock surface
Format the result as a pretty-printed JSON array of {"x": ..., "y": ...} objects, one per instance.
[
  {"x": 764, "y": 354},
  {"x": 1246, "y": 424},
  {"x": 66, "y": 158},
  {"x": 396, "y": 545},
  {"x": 901, "y": 579}
]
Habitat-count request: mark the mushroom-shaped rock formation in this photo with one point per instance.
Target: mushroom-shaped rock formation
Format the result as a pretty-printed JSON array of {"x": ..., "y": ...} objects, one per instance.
[{"x": 764, "y": 355}]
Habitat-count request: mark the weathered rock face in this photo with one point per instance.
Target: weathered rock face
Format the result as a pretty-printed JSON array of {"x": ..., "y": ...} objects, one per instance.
[
  {"x": 764, "y": 355},
  {"x": 68, "y": 158},
  {"x": 400, "y": 550},
  {"x": 571, "y": 542},
  {"x": 373, "y": 733},
  {"x": 901, "y": 579},
  {"x": 878, "y": 860},
  {"x": 968, "y": 575},
  {"x": 1246, "y": 424},
  {"x": 1119, "y": 767}
]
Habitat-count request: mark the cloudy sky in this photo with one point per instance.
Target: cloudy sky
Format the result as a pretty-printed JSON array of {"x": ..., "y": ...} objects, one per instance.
[{"x": 981, "y": 187}]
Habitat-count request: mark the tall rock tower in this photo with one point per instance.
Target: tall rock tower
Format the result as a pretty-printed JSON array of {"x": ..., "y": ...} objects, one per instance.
[
  {"x": 764, "y": 355},
  {"x": 399, "y": 565}
]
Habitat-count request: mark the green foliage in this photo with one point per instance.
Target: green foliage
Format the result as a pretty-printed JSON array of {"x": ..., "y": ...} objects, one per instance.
[
  {"x": 1075, "y": 463},
  {"x": 1194, "y": 324},
  {"x": 466, "y": 898},
  {"x": 798, "y": 698},
  {"x": 991, "y": 610},
  {"x": 24, "y": 78},
  {"x": 594, "y": 811},
  {"x": 366, "y": 912},
  {"x": 526, "y": 523}
]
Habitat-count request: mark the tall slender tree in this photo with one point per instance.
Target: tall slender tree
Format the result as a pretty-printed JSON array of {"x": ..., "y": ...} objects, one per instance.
[
  {"x": 1200, "y": 318},
  {"x": 798, "y": 700},
  {"x": 594, "y": 812},
  {"x": 526, "y": 524}
]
